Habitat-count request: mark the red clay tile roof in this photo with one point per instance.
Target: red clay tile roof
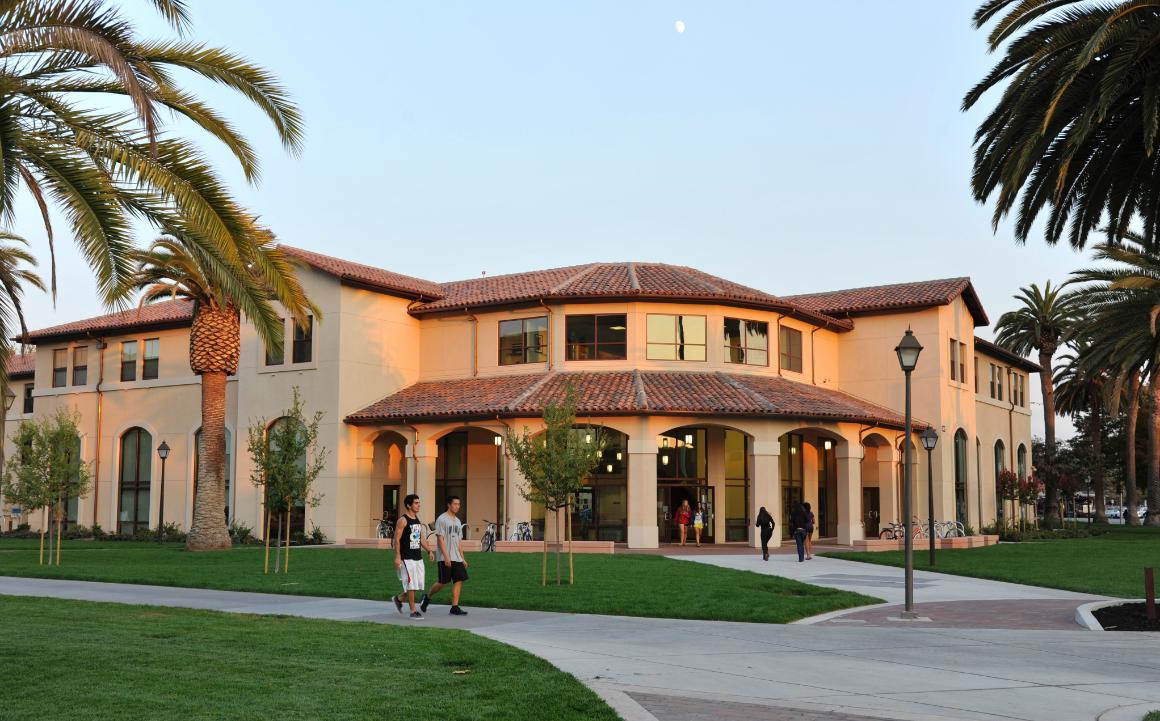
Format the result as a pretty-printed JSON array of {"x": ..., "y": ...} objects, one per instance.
[
  {"x": 899, "y": 296},
  {"x": 367, "y": 276},
  {"x": 1002, "y": 353},
  {"x": 652, "y": 281},
  {"x": 169, "y": 313},
  {"x": 22, "y": 364},
  {"x": 623, "y": 393}
]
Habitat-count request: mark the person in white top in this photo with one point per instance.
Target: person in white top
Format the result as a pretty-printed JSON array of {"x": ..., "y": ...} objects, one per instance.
[{"x": 448, "y": 557}]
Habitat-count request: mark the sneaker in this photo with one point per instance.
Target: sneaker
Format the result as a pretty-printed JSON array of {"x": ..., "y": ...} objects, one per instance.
[
  {"x": 398, "y": 603},
  {"x": 424, "y": 603},
  {"x": 457, "y": 611},
  {"x": 416, "y": 616}
]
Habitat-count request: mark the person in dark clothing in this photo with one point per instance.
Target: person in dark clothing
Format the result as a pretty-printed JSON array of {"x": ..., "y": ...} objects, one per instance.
[
  {"x": 766, "y": 524},
  {"x": 798, "y": 520},
  {"x": 810, "y": 521}
]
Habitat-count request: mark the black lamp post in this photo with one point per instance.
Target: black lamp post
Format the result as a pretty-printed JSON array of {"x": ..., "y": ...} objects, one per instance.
[
  {"x": 162, "y": 453},
  {"x": 908, "y": 349},
  {"x": 929, "y": 440}
]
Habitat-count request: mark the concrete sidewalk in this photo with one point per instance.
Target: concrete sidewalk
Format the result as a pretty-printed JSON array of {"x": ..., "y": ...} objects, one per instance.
[{"x": 759, "y": 671}]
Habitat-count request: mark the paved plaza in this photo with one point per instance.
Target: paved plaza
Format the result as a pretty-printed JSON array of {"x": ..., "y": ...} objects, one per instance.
[{"x": 676, "y": 670}]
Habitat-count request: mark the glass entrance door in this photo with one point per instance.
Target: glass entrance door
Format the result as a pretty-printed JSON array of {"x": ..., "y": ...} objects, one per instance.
[{"x": 669, "y": 499}]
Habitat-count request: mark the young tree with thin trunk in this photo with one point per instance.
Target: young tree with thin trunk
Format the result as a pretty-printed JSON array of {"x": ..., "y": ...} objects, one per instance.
[
  {"x": 287, "y": 460},
  {"x": 554, "y": 463}
]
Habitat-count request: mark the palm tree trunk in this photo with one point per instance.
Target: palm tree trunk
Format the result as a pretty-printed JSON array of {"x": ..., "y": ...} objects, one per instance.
[
  {"x": 1101, "y": 511},
  {"x": 208, "y": 531},
  {"x": 1153, "y": 517},
  {"x": 1130, "y": 436},
  {"x": 1050, "y": 486}
]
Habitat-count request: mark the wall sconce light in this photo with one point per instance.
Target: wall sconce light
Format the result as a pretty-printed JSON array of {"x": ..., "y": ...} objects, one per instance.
[
  {"x": 609, "y": 467},
  {"x": 587, "y": 437},
  {"x": 829, "y": 445},
  {"x": 664, "y": 459},
  {"x": 664, "y": 441},
  {"x": 689, "y": 439},
  {"x": 619, "y": 456},
  {"x": 498, "y": 440}
]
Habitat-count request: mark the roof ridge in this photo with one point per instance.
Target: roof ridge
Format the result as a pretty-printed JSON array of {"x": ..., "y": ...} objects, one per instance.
[
  {"x": 580, "y": 275},
  {"x": 633, "y": 281},
  {"x": 739, "y": 385},
  {"x": 961, "y": 278},
  {"x": 641, "y": 393},
  {"x": 527, "y": 392}
]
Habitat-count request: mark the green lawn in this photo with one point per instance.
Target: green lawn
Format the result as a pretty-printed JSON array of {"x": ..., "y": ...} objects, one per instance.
[
  {"x": 1111, "y": 564},
  {"x": 628, "y": 585},
  {"x": 105, "y": 662}
]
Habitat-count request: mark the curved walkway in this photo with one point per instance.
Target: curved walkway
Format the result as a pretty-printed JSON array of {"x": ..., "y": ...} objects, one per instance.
[{"x": 724, "y": 670}]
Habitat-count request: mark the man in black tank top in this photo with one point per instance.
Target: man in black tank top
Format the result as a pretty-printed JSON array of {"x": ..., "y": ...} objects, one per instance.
[{"x": 410, "y": 542}]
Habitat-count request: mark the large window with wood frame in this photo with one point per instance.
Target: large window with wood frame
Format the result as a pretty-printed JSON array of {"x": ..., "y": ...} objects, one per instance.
[
  {"x": 133, "y": 498},
  {"x": 523, "y": 340},
  {"x": 151, "y": 359},
  {"x": 277, "y": 356},
  {"x": 28, "y": 397},
  {"x": 596, "y": 337},
  {"x": 676, "y": 337},
  {"x": 80, "y": 368},
  {"x": 60, "y": 368},
  {"x": 128, "y": 361},
  {"x": 303, "y": 346},
  {"x": 746, "y": 342}
]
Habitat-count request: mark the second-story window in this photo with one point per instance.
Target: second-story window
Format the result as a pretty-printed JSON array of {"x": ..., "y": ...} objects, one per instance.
[
  {"x": 746, "y": 341},
  {"x": 80, "y": 365},
  {"x": 596, "y": 337},
  {"x": 958, "y": 359},
  {"x": 151, "y": 359},
  {"x": 128, "y": 361},
  {"x": 996, "y": 382},
  {"x": 277, "y": 357},
  {"x": 28, "y": 397},
  {"x": 524, "y": 340},
  {"x": 60, "y": 368},
  {"x": 303, "y": 350},
  {"x": 1018, "y": 388},
  {"x": 676, "y": 337},
  {"x": 790, "y": 349}
]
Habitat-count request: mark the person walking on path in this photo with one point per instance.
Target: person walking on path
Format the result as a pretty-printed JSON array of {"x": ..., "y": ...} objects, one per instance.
[
  {"x": 409, "y": 546},
  {"x": 698, "y": 523},
  {"x": 683, "y": 518},
  {"x": 797, "y": 521},
  {"x": 766, "y": 525},
  {"x": 451, "y": 563},
  {"x": 810, "y": 521}
]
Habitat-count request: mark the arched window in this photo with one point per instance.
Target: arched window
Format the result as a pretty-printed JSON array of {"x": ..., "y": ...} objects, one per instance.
[
  {"x": 1000, "y": 464},
  {"x": 227, "y": 473},
  {"x": 1021, "y": 460},
  {"x": 961, "y": 476},
  {"x": 298, "y": 512},
  {"x": 136, "y": 467}
]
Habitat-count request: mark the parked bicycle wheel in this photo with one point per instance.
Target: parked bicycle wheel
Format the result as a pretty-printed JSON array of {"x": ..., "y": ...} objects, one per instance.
[{"x": 887, "y": 534}]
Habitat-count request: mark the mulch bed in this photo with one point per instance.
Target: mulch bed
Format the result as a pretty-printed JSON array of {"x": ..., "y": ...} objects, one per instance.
[{"x": 1126, "y": 617}]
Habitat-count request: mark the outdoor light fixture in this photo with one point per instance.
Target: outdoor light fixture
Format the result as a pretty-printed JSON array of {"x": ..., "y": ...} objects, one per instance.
[
  {"x": 688, "y": 439},
  {"x": 664, "y": 441},
  {"x": 162, "y": 453},
  {"x": 828, "y": 444},
  {"x": 9, "y": 398},
  {"x": 619, "y": 456},
  {"x": 664, "y": 459},
  {"x": 907, "y": 350},
  {"x": 163, "y": 450},
  {"x": 498, "y": 440},
  {"x": 929, "y": 440},
  {"x": 609, "y": 467},
  {"x": 587, "y": 437}
]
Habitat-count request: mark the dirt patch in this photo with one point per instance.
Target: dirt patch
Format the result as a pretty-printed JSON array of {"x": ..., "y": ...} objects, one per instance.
[{"x": 1125, "y": 617}]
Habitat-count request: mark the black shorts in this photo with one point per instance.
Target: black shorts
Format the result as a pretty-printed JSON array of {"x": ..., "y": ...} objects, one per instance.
[{"x": 457, "y": 572}]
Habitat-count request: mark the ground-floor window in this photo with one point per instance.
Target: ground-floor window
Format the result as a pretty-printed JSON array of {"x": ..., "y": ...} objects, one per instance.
[
  {"x": 133, "y": 501},
  {"x": 792, "y": 492},
  {"x": 827, "y": 512},
  {"x": 961, "y": 477},
  {"x": 737, "y": 476},
  {"x": 600, "y": 512}
]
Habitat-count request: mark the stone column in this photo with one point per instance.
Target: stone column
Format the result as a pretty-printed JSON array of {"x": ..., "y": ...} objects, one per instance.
[
  {"x": 421, "y": 479},
  {"x": 766, "y": 489},
  {"x": 849, "y": 496},
  {"x": 642, "y": 493}
]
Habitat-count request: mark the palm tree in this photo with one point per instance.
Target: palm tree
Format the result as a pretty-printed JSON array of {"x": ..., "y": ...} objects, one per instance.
[
  {"x": 103, "y": 168},
  {"x": 1042, "y": 323},
  {"x": 1123, "y": 303},
  {"x": 14, "y": 278},
  {"x": 221, "y": 291},
  {"x": 1081, "y": 389},
  {"x": 1075, "y": 129}
]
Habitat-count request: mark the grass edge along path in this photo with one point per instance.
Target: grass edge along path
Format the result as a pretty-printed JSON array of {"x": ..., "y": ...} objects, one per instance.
[
  {"x": 1109, "y": 565},
  {"x": 123, "y": 662},
  {"x": 619, "y": 585}
]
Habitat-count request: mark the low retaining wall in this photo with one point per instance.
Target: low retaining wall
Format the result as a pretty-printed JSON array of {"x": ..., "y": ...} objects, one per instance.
[
  {"x": 878, "y": 544},
  {"x": 604, "y": 547}
]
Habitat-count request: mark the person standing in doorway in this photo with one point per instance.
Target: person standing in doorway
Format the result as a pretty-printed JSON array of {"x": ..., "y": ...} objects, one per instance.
[
  {"x": 810, "y": 521},
  {"x": 409, "y": 546},
  {"x": 765, "y": 524},
  {"x": 684, "y": 517},
  {"x": 451, "y": 563},
  {"x": 797, "y": 523},
  {"x": 698, "y": 522}
]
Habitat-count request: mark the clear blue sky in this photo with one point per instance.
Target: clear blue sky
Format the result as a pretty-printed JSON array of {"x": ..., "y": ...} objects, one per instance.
[{"x": 792, "y": 147}]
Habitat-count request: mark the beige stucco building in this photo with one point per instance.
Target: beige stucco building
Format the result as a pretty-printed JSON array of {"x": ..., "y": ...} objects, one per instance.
[{"x": 702, "y": 389}]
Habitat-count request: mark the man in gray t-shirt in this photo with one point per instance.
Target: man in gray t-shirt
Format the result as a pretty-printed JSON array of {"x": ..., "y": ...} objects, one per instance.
[{"x": 449, "y": 558}]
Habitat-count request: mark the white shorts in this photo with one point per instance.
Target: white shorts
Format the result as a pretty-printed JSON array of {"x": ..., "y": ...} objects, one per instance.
[{"x": 412, "y": 574}]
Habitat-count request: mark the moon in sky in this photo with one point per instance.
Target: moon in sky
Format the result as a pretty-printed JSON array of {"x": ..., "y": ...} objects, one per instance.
[{"x": 680, "y": 26}]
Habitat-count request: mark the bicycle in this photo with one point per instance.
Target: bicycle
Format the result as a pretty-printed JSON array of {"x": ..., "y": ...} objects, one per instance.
[
  {"x": 385, "y": 529},
  {"x": 523, "y": 532},
  {"x": 487, "y": 545},
  {"x": 893, "y": 532}
]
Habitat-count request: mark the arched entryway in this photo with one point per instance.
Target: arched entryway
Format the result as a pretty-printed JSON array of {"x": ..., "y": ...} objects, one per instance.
[
  {"x": 388, "y": 475},
  {"x": 880, "y": 492},
  {"x": 297, "y": 511},
  {"x": 809, "y": 475},
  {"x": 710, "y": 466}
]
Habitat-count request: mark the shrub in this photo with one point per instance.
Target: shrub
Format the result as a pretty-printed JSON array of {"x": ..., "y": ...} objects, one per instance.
[
  {"x": 317, "y": 537},
  {"x": 241, "y": 533}
]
